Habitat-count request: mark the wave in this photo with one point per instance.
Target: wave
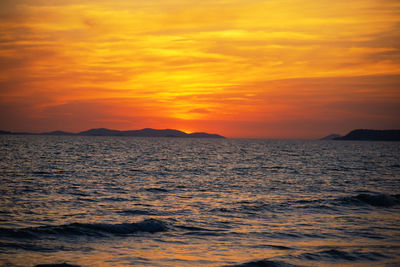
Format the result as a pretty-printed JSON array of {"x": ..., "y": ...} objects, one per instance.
[
  {"x": 85, "y": 229},
  {"x": 5, "y": 246},
  {"x": 56, "y": 265},
  {"x": 104, "y": 230},
  {"x": 329, "y": 205},
  {"x": 363, "y": 199},
  {"x": 114, "y": 199},
  {"x": 157, "y": 190},
  {"x": 339, "y": 255},
  {"x": 278, "y": 247},
  {"x": 135, "y": 212},
  {"x": 377, "y": 200},
  {"x": 200, "y": 231},
  {"x": 264, "y": 263}
]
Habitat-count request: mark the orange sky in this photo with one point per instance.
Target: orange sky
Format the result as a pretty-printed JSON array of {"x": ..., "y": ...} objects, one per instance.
[{"x": 240, "y": 68}]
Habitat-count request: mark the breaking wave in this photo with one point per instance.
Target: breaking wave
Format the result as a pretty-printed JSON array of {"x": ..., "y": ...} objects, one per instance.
[
  {"x": 86, "y": 229},
  {"x": 377, "y": 200},
  {"x": 264, "y": 263},
  {"x": 339, "y": 255}
]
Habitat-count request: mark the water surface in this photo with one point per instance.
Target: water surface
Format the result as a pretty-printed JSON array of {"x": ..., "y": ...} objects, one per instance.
[{"x": 112, "y": 201}]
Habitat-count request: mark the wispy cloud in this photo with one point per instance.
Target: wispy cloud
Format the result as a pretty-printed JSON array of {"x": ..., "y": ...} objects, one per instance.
[{"x": 187, "y": 62}]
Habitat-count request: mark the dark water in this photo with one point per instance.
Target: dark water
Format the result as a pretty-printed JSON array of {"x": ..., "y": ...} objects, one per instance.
[{"x": 114, "y": 201}]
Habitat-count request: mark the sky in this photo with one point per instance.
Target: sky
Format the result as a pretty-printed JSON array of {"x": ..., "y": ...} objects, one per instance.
[{"x": 240, "y": 68}]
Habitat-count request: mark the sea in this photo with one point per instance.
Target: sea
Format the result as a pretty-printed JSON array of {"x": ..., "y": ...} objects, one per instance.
[{"x": 128, "y": 201}]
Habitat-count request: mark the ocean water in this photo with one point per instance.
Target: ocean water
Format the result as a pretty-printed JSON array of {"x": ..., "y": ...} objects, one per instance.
[{"x": 121, "y": 201}]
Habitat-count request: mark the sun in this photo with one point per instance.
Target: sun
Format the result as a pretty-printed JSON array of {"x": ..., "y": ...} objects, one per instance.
[{"x": 185, "y": 130}]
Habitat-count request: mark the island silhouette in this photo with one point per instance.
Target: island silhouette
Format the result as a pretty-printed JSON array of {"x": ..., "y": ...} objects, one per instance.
[
  {"x": 146, "y": 132},
  {"x": 366, "y": 135}
]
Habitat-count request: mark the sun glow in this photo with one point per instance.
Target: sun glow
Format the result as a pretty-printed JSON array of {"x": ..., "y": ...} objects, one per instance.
[
  {"x": 186, "y": 131},
  {"x": 239, "y": 68}
]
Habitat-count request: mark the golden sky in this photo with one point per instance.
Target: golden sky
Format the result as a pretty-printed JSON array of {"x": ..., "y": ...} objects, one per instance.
[{"x": 240, "y": 68}]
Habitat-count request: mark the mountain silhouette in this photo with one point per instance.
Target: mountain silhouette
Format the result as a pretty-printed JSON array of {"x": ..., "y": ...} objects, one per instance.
[
  {"x": 146, "y": 132},
  {"x": 372, "y": 135},
  {"x": 331, "y": 137}
]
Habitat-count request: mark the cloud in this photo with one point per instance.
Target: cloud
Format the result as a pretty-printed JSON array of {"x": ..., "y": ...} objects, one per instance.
[
  {"x": 261, "y": 62},
  {"x": 199, "y": 110}
]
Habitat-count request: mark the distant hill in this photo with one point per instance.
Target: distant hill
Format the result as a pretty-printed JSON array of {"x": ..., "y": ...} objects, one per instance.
[
  {"x": 331, "y": 137},
  {"x": 372, "y": 135},
  {"x": 57, "y": 133},
  {"x": 100, "y": 132},
  {"x": 147, "y": 132},
  {"x": 15, "y": 133}
]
